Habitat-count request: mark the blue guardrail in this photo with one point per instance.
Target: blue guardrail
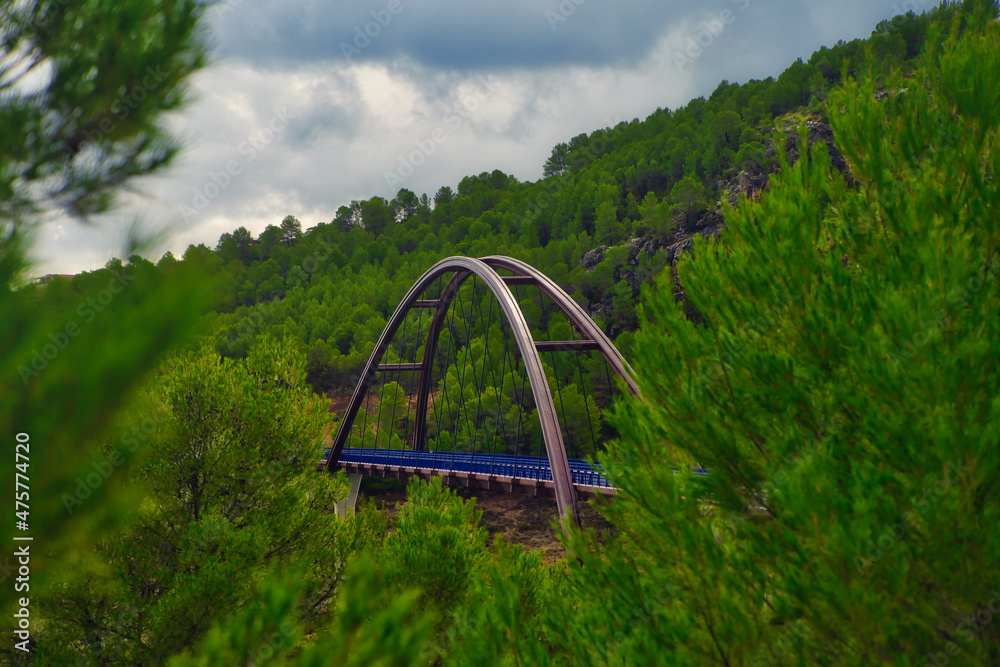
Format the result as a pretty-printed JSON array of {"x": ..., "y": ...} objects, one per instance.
[{"x": 521, "y": 467}]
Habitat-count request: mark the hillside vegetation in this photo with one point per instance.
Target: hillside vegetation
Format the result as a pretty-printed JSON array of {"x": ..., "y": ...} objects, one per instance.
[
  {"x": 803, "y": 272},
  {"x": 617, "y": 206}
]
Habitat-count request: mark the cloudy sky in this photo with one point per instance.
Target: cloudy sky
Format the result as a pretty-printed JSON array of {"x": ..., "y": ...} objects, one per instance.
[{"x": 311, "y": 104}]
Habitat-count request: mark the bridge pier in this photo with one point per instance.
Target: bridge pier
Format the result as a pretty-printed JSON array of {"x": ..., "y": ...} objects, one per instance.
[{"x": 346, "y": 505}]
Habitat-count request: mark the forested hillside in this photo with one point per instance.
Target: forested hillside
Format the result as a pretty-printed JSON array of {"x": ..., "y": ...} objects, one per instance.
[
  {"x": 804, "y": 273},
  {"x": 635, "y": 194},
  {"x": 615, "y": 208}
]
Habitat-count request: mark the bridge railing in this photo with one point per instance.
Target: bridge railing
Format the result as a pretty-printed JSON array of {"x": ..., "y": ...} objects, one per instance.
[{"x": 518, "y": 467}]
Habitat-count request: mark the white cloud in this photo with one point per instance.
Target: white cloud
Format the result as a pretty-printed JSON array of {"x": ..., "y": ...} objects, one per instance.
[{"x": 306, "y": 134}]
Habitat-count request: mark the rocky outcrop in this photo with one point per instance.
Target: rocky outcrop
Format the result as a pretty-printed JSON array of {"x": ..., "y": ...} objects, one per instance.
[
  {"x": 646, "y": 244},
  {"x": 593, "y": 258},
  {"x": 819, "y": 131},
  {"x": 749, "y": 183}
]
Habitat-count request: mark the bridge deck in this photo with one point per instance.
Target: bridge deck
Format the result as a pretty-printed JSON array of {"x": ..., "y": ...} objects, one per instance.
[{"x": 515, "y": 474}]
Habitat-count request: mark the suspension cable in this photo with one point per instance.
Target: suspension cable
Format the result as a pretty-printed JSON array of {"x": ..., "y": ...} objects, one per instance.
[
  {"x": 399, "y": 360},
  {"x": 413, "y": 375},
  {"x": 498, "y": 422},
  {"x": 584, "y": 393},
  {"x": 520, "y": 406},
  {"x": 444, "y": 377},
  {"x": 465, "y": 363},
  {"x": 482, "y": 383},
  {"x": 368, "y": 403}
]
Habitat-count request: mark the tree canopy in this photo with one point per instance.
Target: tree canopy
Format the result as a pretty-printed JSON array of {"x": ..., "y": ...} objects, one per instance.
[{"x": 827, "y": 354}]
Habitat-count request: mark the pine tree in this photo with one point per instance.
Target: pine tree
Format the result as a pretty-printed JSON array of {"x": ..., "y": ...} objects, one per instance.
[{"x": 840, "y": 394}]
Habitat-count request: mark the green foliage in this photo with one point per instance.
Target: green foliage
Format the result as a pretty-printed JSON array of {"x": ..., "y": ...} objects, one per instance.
[
  {"x": 268, "y": 241},
  {"x": 502, "y": 617},
  {"x": 260, "y": 631},
  {"x": 434, "y": 545},
  {"x": 839, "y": 395},
  {"x": 727, "y": 126},
  {"x": 94, "y": 124},
  {"x": 291, "y": 230},
  {"x": 235, "y": 246},
  {"x": 656, "y": 216},
  {"x": 607, "y": 228},
  {"x": 375, "y": 625},
  {"x": 688, "y": 196},
  {"x": 231, "y": 418},
  {"x": 637, "y": 179},
  {"x": 406, "y": 204},
  {"x": 752, "y": 158},
  {"x": 71, "y": 360},
  {"x": 376, "y": 215},
  {"x": 444, "y": 196},
  {"x": 392, "y": 414},
  {"x": 71, "y": 354},
  {"x": 228, "y": 497},
  {"x": 838, "y": 387},
  {"x": 555, "y": 165}
]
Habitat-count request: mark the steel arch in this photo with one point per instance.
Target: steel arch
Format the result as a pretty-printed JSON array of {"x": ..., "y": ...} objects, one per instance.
[
  {"x": 486, "y": 269},
  {"x": 572, "y": 310}
]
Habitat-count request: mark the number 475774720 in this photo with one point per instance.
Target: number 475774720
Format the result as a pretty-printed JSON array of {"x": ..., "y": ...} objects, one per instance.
[{"x": 21, "y": 497}]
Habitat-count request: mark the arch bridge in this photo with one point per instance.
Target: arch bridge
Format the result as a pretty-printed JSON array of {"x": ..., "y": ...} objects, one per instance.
[{"x": 466, "y": 339}]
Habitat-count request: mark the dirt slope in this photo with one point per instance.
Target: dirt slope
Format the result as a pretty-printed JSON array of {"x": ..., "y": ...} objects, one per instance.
[{"x": 521, "y": 519}]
